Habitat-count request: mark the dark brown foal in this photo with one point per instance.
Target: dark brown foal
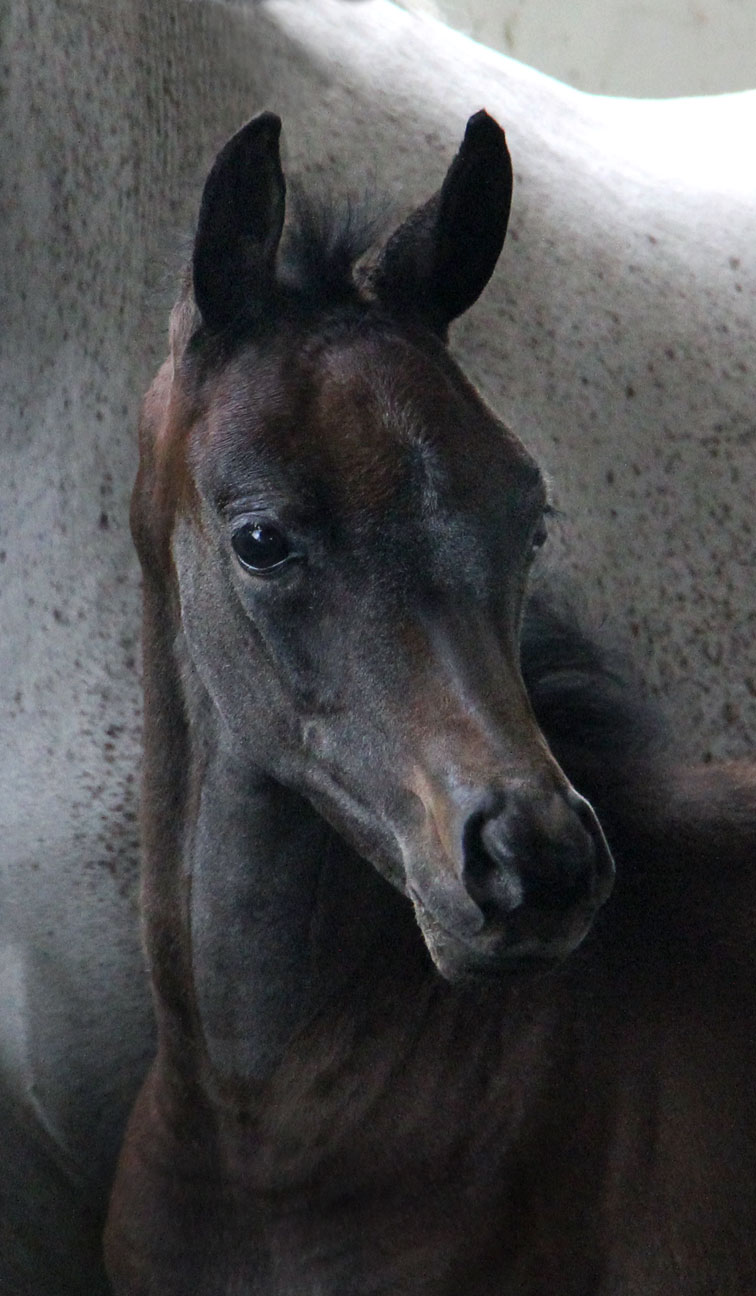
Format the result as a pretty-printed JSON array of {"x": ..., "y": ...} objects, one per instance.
[{"x": 405, "y": 1045}]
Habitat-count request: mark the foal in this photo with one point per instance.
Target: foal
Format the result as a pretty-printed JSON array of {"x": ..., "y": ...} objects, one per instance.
[{"x": 358, "y": 841}]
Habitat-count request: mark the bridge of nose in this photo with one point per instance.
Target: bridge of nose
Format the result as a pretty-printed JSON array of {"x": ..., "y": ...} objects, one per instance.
[{"x": 489, "y": 796}]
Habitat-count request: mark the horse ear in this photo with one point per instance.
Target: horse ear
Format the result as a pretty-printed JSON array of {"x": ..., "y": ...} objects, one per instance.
[
  {"x": 439, "y": 261},
  {"x": 239, "y": 228}
]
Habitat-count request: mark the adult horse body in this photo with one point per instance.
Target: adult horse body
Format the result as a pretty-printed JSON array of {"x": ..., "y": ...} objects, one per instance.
[
  {"x": 347, "y": 793},
  {"x": 109, "y": 108}
]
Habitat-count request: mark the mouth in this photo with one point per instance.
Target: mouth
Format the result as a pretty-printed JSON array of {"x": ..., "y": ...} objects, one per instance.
[{"x": 503, "y": 951}]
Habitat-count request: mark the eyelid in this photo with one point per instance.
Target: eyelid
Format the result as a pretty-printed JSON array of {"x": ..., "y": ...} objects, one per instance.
[
  {"x": 260, "y": 510},
  {"x": 297, "y": 522}
]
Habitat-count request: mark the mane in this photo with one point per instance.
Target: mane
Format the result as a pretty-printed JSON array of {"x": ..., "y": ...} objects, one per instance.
[
  {"x": 590, "y": 700},
  {"x": 324, "y": 239}
]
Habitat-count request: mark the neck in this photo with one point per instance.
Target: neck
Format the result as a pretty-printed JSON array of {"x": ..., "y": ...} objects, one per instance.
[
  {"x": 253, "y": 860},
  {"x": 256, "y": 913}
]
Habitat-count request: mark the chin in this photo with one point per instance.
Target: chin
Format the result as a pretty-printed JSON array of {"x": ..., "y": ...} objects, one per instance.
[
  {"x": 500, "y": 957},
  {"x": 462, "y": 967}
]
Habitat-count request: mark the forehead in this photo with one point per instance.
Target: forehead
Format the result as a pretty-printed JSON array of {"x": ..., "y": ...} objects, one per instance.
[{"x": 359, "y": 420}]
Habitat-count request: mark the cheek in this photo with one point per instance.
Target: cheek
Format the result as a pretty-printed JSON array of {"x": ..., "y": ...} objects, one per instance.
[
  {"x": 255, "y": 651},
  {"x": 219, "y": 650}
]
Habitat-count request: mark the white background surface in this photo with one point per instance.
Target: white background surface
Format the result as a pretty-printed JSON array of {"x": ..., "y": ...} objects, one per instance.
[{"x": 621, "y": 47}]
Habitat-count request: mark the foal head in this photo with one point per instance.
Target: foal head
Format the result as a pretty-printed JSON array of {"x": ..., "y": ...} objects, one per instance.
[{"x": 344, "y": 533}]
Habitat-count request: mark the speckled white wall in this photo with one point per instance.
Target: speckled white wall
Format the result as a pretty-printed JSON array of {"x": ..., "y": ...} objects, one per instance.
[{"x": 622, "y": 47}]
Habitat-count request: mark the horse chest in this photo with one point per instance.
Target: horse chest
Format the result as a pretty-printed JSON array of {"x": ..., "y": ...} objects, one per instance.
[
  {"x": 396, "y": 1161},
  {"x": 395, "y": 1175}
]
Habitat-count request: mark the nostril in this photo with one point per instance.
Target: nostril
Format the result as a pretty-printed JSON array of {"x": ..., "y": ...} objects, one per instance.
[
  {"x": 541, "y": 853},
  {"x": 490, "y": 874},
  {"x": 560, "y": 874},
  {"x": 562, "y": 867}
]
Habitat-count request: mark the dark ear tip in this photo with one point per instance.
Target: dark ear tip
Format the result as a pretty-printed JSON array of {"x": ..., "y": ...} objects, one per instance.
[
  {"x": 264, "y": 131},
  {"x": 484, "y": 133},
  {"x": 267, "y": 125}
]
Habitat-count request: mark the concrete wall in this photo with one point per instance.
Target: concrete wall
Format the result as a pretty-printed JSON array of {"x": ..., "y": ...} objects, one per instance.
[{"x": 621, "y": 47}]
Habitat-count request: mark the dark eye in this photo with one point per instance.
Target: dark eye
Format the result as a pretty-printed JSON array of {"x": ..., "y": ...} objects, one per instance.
[
  {"x": 261, "y": 547},
  {"x": 540, "y": 535}
]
